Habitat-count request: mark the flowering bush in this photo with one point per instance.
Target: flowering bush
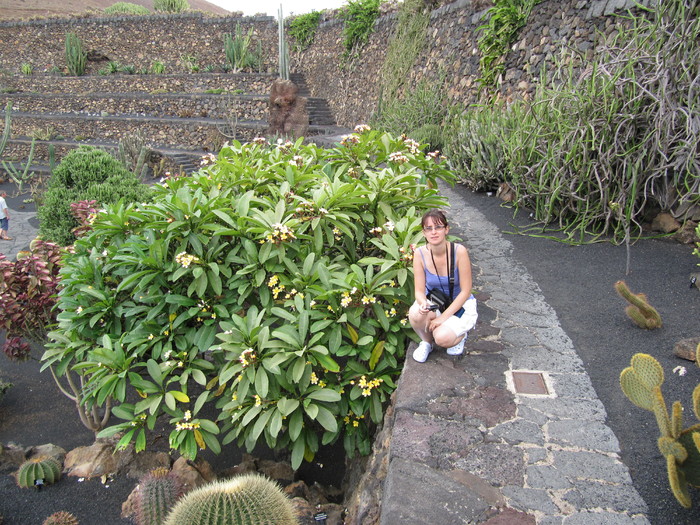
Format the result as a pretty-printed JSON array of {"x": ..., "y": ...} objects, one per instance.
[{"x": 272, "y": 284}]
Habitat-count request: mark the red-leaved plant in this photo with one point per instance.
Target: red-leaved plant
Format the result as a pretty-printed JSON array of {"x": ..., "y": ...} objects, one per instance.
[
  {"x": 28, "y": 294},
  {"x": 27, "y": 297},
  {"x": 84, "y": 212}
]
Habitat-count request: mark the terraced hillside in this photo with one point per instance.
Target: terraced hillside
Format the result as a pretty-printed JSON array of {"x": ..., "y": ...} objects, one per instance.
[{"x": 181, "y": 117}]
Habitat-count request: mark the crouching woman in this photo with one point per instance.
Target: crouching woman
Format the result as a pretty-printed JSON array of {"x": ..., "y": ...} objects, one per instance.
[{"x": 444, "y": 309}]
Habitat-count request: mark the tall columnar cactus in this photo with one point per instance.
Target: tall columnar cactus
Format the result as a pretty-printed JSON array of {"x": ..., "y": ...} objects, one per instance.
[
  {"x": 283, "y": 52},
  {"x": 158, "y": 491},
  {"x": 639, "y": 310},
  {"x": 250, "y": 499},
  {"x": 8, "y": 124},
  {"x": 76, "y": 58},
  {"x": 61, "y": 518},
  {"x": 45, "y": 469},
  {"x": 641, "y": 383}
]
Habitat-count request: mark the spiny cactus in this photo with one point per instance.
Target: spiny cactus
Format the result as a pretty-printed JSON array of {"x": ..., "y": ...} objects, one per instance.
[
  {"x": 61, "y": 518},
  {"x": 158, "y": 491},
  {"x": 44, "y": 468},
  {"x": 640, "y": 311},
  {"x": 76, "y": 57},
  {"x": 250, "y": 499},
  {"x": 641, "y": 383}
]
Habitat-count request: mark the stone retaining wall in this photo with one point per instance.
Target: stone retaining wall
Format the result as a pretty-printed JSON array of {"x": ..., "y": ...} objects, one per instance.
[
  {"x": 190, "y": 134},
  {"x": 222, "y": 106},
  {"x": 246, "y": 83},
  {"x": 134, "y": 40},
  {"x": 352, "y": 88}
]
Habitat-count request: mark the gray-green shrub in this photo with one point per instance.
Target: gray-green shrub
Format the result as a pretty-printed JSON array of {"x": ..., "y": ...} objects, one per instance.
[
  {"x": 416, "y": 114},
  {"x": 85, "y": 173}
]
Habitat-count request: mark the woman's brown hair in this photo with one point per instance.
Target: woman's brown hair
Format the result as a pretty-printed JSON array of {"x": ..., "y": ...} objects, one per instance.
[{"x": 438, "y": 217}]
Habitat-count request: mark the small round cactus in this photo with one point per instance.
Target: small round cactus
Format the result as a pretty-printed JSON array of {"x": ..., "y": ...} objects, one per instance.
[
  {"x": 61, "y": 518},
  {"x": 158, "y": 491},
  {"x": 39, "y": 470},
  {"x": 249, "y": 499}
]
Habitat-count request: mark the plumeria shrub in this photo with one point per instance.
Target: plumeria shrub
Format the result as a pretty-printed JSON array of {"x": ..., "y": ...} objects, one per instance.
[{"x": 271, "y": 287}]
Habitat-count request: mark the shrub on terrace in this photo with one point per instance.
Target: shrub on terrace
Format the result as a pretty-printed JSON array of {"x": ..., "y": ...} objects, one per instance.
[
  {"x": 126, "y": 8},
  {"x": 272, "y": 284},
  {"x": 86, "y": 173},
  {"x": 303, "y": 28},
  {"x": 171, "y": 6},
  {"x": 358, "y": 18}
]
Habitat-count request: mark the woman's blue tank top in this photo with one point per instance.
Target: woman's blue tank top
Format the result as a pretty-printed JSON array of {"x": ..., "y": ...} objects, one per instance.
[{"x": 440, "y": 281}]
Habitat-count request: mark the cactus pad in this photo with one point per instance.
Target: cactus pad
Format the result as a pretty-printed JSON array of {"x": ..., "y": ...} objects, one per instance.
[
  {"x": 639, "y": 379},
  {"x": 648, "y": 370},
  {"x": 250, "y": 499},
  {"x": 670, "y": 447},
  {"x": 45, "y": 468},
  {"x": 679, "y": 486}
]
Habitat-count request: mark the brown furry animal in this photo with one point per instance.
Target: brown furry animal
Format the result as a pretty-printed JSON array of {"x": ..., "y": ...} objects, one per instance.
[{"x": 288, "y": 115}]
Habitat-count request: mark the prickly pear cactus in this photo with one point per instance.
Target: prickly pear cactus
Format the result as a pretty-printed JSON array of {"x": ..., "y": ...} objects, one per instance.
[
  {"x": 158, "y": 491},
  {"x": 44, "y": 468},
  {"x": 61, "y": 518},
  {"x": 641, "y": 383},
  {"x": 250, "y": 499}
]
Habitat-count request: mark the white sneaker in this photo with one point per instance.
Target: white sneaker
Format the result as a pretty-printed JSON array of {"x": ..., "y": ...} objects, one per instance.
[
  {"x": 458, "y": 348},
  {"x": 421, "y": 353}
]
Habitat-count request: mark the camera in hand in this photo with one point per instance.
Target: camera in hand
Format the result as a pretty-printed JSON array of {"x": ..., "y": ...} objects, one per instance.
[{"x": 439, "y": 298}]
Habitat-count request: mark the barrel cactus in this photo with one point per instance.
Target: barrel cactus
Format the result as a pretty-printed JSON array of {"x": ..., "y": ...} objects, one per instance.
[
  {"x": 641, "y": 383},
  {"x": 61, "y": 518},
  {"x": 249, "y": 499},
  {"x": 158, "y": 491},
  {"x": 39, "y": 470}
]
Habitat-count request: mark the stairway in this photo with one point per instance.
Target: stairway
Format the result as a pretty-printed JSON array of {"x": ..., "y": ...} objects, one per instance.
[{"x": 182, "y": 117}]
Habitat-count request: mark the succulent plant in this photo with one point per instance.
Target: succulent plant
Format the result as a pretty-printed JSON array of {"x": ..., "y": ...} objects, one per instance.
[
  {"x": 250, "y": 499},
  {"x": 39, "y": 470},
  {"x": 158, "y": 491},
  {"x": 640, "y": 311},
  {"x": 641, "y": 383},
  {"x": 61, "y": 518}
]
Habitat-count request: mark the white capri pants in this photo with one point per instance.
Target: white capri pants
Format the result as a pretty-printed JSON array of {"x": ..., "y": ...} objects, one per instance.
[{"x": 461, "y": 325}]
